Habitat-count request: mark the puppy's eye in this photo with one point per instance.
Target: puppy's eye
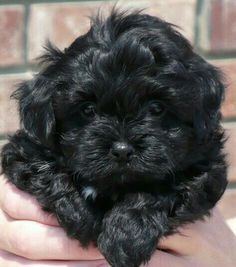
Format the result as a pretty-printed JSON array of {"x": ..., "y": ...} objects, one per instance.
[
  {"x": 156, "y": 108},
  {"x": 88, "y": 110}
]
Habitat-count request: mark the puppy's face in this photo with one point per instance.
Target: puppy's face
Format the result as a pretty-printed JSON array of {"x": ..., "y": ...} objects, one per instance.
[
  {"x": 124, "y": 104},
  {"x": 117, "y": 126}
]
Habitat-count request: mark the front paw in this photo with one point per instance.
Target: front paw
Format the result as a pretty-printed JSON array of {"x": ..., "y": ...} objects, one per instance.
[
  {"x": 79, "y": 220},
  {"x": 128, "y": 239}
]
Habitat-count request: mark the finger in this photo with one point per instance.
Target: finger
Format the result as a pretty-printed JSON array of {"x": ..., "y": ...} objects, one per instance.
[
  {"x": 22, "y": 206},
  {"x": 10, "y": 260},
  {"x": 164, "y": 259},
  {"x": 186, "y": 242},
  {"x": 177, "y": 243},
  {"x": 37, "y": 241},
  {"x": 196, "y": 236}
]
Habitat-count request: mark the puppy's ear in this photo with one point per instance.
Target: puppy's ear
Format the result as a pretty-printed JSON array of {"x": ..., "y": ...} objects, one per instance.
[
  {"x": 36, "y": 110},
  {"x": 210, "y": 86}
]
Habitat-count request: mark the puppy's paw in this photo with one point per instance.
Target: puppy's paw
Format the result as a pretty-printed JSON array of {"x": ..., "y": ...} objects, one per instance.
[
  {"x": 127, "y": 239},
  {"x": 78, "y": 219}
]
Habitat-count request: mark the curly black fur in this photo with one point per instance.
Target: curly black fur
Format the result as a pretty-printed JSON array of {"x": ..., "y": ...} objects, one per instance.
[{"x": 132, "y": 81}]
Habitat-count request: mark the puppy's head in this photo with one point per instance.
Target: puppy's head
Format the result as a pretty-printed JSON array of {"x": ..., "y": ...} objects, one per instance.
[{"x": 129, "y": 101}]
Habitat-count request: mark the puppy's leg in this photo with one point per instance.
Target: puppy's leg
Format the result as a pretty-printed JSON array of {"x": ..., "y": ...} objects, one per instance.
[
  {"x": 78, "y": 218},
  {"x": 34, "y": 170},
  {"x": 131, "y": 230},
  {"x": 195, "y": 199}
]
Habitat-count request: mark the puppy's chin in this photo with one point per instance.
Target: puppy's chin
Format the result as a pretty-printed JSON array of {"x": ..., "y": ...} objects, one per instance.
[
  {"x": 113, "y": 187},
  {"x": 102, "y": 170},
  {"x": 122, "y": 177}
]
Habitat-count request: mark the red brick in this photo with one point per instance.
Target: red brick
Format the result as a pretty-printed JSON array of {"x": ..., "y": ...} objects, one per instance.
[
  {"x": 180, "y": 13},
  {"x": 61, "y": 23},
  {"x": 8, "y": 113},
  {"x": 230, "y": 149},
  {"x": 228, "y": 203},
  {"x": 229, "y": 69},
  {"x": 219, "y": 27},
  {"x": 170, "y": 11},
  {"x": 11, "y": 37},
  {"x": 223, "y": 25}
]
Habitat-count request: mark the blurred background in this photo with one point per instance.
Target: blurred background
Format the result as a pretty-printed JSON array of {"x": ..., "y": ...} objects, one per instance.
[{"x": 25, "y": 25}]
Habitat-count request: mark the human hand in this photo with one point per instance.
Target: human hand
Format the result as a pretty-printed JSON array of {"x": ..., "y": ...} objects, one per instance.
[
  {"x": 31, "y": 234},
  {"x": 32, "y": 237},
  {"x": 208, "y": 243}
]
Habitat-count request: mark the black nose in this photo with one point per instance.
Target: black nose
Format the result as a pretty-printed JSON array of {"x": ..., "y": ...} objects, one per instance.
[{"x": 121, "y": 151}]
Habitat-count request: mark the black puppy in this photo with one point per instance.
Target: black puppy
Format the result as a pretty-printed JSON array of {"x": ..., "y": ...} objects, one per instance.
[{"x": 120, "y": 136}]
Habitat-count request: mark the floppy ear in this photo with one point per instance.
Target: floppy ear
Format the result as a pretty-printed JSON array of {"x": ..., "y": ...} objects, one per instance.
[
  {"x": 209, "y": 82},
  {"x": 36, "y": 110}
]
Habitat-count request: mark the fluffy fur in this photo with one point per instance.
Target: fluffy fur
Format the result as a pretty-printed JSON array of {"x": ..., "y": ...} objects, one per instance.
[{"x": 131, "y": 81}]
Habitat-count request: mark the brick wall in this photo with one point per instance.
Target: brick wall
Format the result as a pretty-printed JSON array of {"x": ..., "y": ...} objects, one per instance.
[{"x": 26, "y": 24}]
